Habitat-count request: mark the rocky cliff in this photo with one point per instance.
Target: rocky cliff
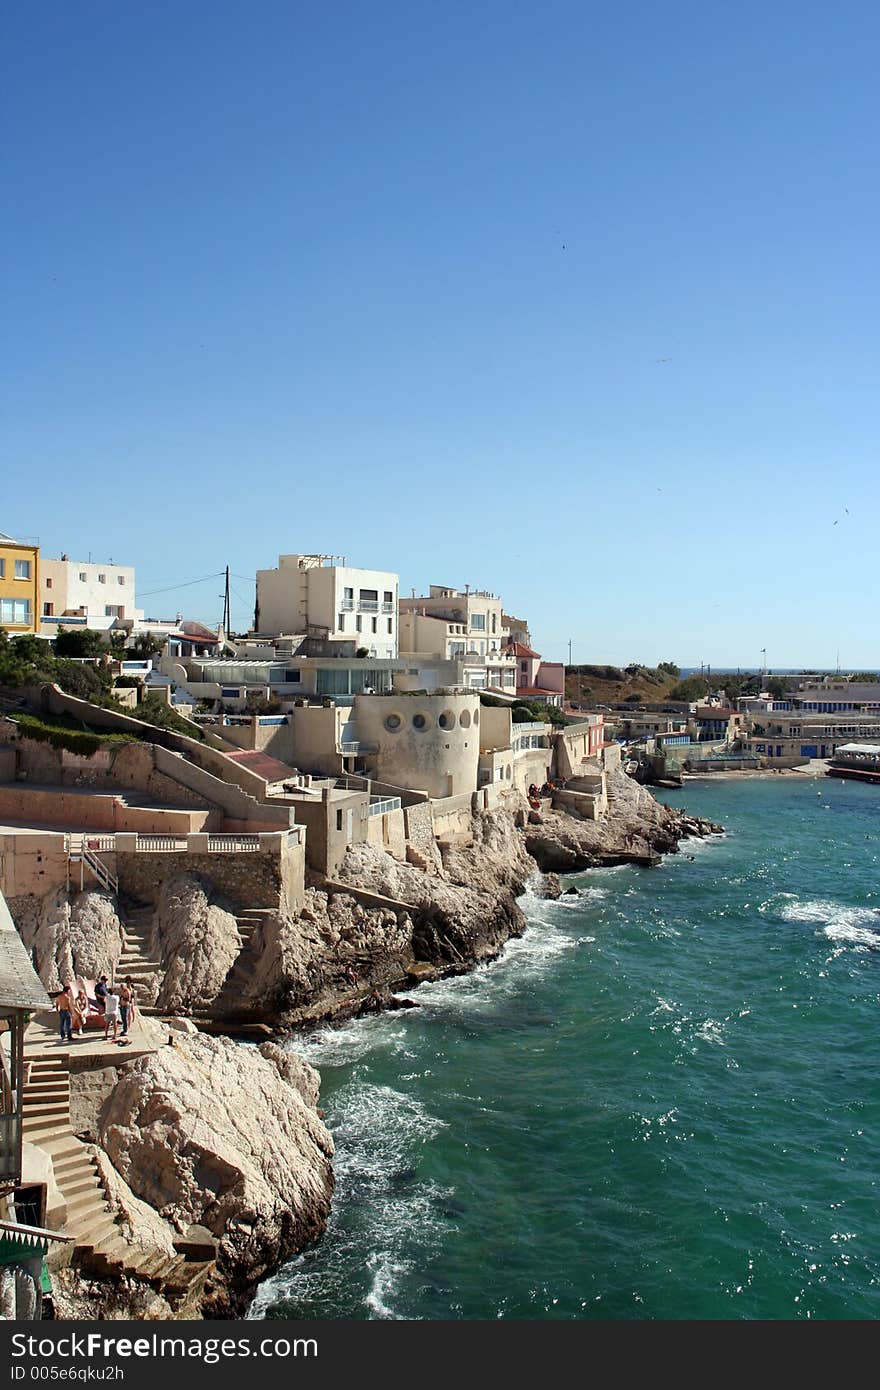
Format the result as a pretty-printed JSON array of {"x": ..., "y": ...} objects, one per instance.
[
  {"x": 82, "y": 936},
  {"x": 215, "y": 1134}
]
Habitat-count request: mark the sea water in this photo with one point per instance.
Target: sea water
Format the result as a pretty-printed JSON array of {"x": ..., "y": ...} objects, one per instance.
[{"x": 661, "y": 1102}]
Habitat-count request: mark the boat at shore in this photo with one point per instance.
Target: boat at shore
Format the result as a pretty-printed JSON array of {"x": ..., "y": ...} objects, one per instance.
[{"x": 859, "y": 761}]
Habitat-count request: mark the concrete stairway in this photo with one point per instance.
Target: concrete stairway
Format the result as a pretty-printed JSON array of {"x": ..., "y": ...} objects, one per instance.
[
  {"x": 138, "y": 959},
  {"x": 417, "y": 859},
  {"x": 100, "y": 1245}
]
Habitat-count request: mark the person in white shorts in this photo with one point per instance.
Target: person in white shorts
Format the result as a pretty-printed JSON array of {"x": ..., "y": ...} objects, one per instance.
[{"x": 111, "y": 1013}]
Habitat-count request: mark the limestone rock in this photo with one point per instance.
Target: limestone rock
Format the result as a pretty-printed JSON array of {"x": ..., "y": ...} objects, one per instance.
[
  {"x": 96, "y": 936},
  {"x": 83, "y": 937},
  {"x": 211, "y": 1133},
  {"x": 141, "y": 1225},
  {"x": 198, "y": 940}
]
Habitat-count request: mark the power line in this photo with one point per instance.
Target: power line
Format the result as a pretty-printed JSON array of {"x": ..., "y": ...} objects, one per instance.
[{"x": 187, "y": 584}]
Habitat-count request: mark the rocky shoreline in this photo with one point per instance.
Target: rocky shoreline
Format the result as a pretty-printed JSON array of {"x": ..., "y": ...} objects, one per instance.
[{"x": 224, "y": 1139}]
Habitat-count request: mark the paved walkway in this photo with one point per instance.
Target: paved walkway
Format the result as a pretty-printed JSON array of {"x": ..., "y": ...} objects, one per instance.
[{"x": 42, "y": 1040}]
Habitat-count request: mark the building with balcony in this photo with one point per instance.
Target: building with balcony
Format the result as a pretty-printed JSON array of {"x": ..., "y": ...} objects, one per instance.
[
  {"x": 329, "y": 603},
  {"x": 19, "y": 584},
  {"x": 77, "y": 593}
]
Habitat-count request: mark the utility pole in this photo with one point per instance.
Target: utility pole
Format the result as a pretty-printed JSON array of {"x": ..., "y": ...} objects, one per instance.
[
  {"x": 569, "y": 651},
  {"x": 226, "y": 613}
]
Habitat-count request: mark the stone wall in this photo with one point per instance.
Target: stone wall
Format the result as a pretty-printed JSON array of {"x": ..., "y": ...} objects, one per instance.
[
  {"x": 248, "y": 879},
  {"x": 89, "y": 1088},
  {"x": 530, "y": 766},
  {"x": 99, "y": 811},
  {"x": 32, "y": 864},
  {"x": 388, "y": 832}
]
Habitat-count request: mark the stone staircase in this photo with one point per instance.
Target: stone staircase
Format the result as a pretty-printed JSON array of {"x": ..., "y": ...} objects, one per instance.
[
  {"x": 418, "y": 860},
  {"x": 242, "y": 968},
  {"x": 138, "y": 959},
  {"x": 100, "y": 1245}
]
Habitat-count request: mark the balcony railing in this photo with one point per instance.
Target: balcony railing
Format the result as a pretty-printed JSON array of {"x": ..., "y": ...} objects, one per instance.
[
  {"x": 353, "y": 747},
  {"x": 368, "y": 605},
  {"x": 387, "y": 803},
  {"x": 346, "y": 605},
  {"x": 387, "y": 607}
]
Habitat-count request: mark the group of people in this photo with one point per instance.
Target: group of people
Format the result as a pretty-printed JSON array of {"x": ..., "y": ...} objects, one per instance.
[{"x": 113, "y": 1003}]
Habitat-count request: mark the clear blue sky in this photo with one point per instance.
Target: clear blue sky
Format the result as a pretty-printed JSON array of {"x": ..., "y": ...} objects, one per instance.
[{"x": 573, "y": 301}]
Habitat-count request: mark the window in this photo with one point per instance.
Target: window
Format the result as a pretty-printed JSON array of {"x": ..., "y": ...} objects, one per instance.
[
  {"x": 15, "y": 611},
  {"x": 340, "y": 623},
  {"x": 48, "y": 610},
  {"x": 292, "y": 676},
  {"x": 369, "y": 595},
  {"x": 102, "y": 579},
  {"x": 82, "y": 576},
  {"x": 478, "y": 622},
  {"x": 375, "y": 622},
  {"x": 348, "y": 593},
  {"x": 120, "y": 579},
  {"x": 113, "y": 610},
  {"x": 48, "y": 583},
  {"x": 390, "y": 626},
  {"x": 357, "y": 623},
  {"x": 22, "y": 569},
  {"x": 2, "y": 569},
  {"x": 338, "y": 820},
  {"x": 388, "y": 596}
]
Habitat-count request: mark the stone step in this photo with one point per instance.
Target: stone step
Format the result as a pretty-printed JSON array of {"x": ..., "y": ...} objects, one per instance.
[
  {"x": 77, "y": 1185},
  {"x": 70, "y": 1164},
  {"x": 92, "y": 1234},
  {"x": 61, "y": 1146},
  {"x": 46, "y": 1094},
  {"x": 81, "y": 1203},
  {"x": 44, "y": 1126},
  {"x": 58, "y": 1109}
]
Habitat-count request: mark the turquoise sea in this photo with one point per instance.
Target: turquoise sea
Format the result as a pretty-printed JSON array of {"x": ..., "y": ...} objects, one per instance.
[{"x": 661, "y": 1102}]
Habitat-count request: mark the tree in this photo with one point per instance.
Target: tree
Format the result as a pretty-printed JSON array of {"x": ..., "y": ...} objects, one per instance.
[
  {"x": 694, "y": 688},
  {"x": 79, "y": 642},
  {"x": 146, "y": 645},
  {"x": 669, "y": 668}
]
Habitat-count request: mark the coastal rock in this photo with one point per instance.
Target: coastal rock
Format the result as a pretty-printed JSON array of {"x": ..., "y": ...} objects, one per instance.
[
  {"x": 216, "y": 1134},
  {"x": 198, "y": 939},
  {"x": 141, "y": 1225},
  {"x": 96, "y": 935},
  {"x": 83, "y": 937}
]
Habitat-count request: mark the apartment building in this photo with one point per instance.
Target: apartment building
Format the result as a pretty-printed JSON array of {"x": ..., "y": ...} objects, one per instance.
[
  {"x": 77, "y": 593},
  {"x": 331, "y": 603},
  {"x": 19, "y": 584}
]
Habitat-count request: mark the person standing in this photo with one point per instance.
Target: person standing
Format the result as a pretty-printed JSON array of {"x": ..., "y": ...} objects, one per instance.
[
  {"x": 111, "y": 1012},
  {"x": 62, "y": 1004},
  {"x": 126, "y": 1005}
]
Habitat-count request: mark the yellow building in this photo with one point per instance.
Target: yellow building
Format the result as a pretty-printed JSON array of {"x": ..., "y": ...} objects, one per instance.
[{"x": 19, "y": 585}]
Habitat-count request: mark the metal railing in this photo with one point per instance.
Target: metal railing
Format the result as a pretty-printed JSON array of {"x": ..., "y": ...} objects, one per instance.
[
  {"x": 382, "y": 806},
  {"x": 368, "y": 605},
  {"x": 160, "y": 843},
  {"x": 218, "y": 844}
]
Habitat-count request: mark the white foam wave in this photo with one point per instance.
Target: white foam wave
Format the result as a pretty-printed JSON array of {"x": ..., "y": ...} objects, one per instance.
[{"x": 858, "y": 927}]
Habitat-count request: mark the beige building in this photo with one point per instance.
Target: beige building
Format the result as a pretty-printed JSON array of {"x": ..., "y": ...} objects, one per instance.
[
  {"x": 323, "y": 598},
  {"x": 464, "y": 629},
  {"x": 77, "y": 593},
  {"x": 427, "y": 743}
]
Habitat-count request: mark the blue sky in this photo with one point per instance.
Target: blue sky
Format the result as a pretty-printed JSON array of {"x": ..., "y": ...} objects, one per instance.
[{"x": 576, "y": 302}]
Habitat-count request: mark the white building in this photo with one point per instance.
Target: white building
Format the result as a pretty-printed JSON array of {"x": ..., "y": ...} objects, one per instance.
[
  {"x": 323, "y": 598},
  {"x": 464, "y": 627},
  {"x": 76, "y": 593}
]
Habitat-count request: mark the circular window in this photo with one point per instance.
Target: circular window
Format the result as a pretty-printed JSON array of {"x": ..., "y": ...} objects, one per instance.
[
  {"x": 465, "y": 719},
  {"x": 392, "y": 723},
  {"x": 420, "y": 721},
  {"x": 476, "y": 717},
  {"x": 507, "y": 773},
  {"x": 447, "y": 720}
]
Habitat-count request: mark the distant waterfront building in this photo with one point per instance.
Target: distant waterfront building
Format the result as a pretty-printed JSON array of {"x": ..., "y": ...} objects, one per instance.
[
  {"x": 19, "y": 584},
  {"x": 78, "y": 593},
  {"x": 325, "y": 600}
]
